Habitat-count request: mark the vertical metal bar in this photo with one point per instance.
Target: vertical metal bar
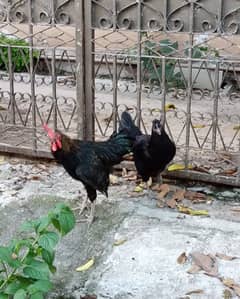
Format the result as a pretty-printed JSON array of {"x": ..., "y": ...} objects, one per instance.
[
  {"x": 215, "y": 107},
  {"x": 163, "y": 116},
  {"x": 80, "y": 91},
  {"x": 11, "y": 87},
  {"x": 32, "y": 75},
  {"x": 53, "y": 12},
  {"x": 115, "y": 92},
  {"x": 114, "y": 14},
  {"x": 165, "y": 14},
  {"x": 189, "y": 87},
  {"x": 54, "y": 88},
  {"x": 139, "y": 62},
  {"x": 89, "y": 71},
  {"x": 220, "y": 13}
]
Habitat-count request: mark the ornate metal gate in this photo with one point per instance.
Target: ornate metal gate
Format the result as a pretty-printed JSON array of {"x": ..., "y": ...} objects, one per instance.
[{"x": 78, "y": 64}]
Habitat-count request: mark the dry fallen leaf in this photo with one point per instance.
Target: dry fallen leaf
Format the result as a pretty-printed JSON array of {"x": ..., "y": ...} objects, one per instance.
[
  {"x": 177, "y": 196},
  {"x": 194, "y": 269},
  {"x": 182, "y": 259},
  {"x": 161, "y": 203},
  {"x": 225, "y": 257},
  {"x": 35, "y": 178},
  {"x": 170, "y": 106},
  {"x": 236, "y": 128},
  {"x": 164, "y": 190},
  {"x": 199, "y": 291},
  {"x": 230, "y": 172},
  {"x": 86, "y": 266},
  {"x": 206, "y": 262},
  {"x": 192, "y": 212},
  {"x": 236, "y": 209},
  {"x": 172, "y": 203},
  {"x": 230, "y": 283},
  {"x": 113, "y": 179},
  {"x": 199, "y": 126},
  {"x": 119, "y": 242},
  {"x": 138, "y": 189},
  {"x": 129, "y": 176},
  {"x": 156, "y": 187},
  {"x": 227, "y": 294},
  {"x": 2, "y": 159},
  {"x": 195, "y": 197},
  {"x": 2, "y": 108},
  {"x": 176, "y": 166}
]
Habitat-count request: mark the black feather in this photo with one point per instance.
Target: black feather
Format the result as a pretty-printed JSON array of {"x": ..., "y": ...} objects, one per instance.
[
  {"x": 91, "y": 162},
  {"x": 152, "y": 152}
]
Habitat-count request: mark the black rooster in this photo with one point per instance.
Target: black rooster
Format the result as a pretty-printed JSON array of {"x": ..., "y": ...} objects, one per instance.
[
  {"x": 88, "y": 161},
  {"x": 152, "y": 152}
]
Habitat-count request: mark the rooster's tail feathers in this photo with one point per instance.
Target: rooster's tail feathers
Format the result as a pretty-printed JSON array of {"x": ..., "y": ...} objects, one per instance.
[{"x": 128, "y": 127}]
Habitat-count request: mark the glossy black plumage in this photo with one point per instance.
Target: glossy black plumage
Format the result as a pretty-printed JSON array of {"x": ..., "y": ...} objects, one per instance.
[
  {"x": 91, "y": 162},
  {"x": 152, "y": 152}
]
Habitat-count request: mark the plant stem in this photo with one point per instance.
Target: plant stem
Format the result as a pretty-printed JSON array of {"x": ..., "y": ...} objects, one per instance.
[{"x": 14, "y": 270}]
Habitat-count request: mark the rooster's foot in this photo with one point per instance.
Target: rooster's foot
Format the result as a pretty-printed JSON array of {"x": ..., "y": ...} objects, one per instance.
[
  {"x": 82, "y": 207},
  {"x": 90, "y": 218}
]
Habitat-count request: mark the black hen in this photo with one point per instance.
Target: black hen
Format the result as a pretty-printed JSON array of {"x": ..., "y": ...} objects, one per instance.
[
  {"x": 88, "y": 161},
  {"x": 152, "y": 152}
]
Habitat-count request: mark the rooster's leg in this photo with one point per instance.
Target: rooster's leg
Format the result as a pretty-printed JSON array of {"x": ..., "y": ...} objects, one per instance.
[{"x": 82, "y": 207}]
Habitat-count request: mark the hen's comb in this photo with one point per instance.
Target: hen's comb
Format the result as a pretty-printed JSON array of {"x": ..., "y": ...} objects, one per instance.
[{"x": 49, "y": 131}]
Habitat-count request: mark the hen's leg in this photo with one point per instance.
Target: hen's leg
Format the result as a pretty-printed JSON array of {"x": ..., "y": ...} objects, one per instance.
[
  {"x": 92, "y": 212},
  {"x": 83, "y": 206},
  {"x": 159, "y": 179}
]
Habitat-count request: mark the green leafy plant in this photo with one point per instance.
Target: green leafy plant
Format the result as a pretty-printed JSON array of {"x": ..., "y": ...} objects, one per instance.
[
  {"x": 152, "y": 65},
  {"x": 20, "y": 54},
  {"x": 26, "y": 264},
  {"x": 164, "y": 48}
]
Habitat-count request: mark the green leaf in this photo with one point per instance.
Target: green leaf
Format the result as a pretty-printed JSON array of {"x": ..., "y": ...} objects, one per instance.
[
  {"x": 48, "y": 256},
  {"x": 52, "y": 268},
  {"x": 48, "y": 240},
  {"x": 63, "y": 218},
  {"x": 6, "y": 256},
  {"x": 3, "y": 296},
  {"x": 43, "y": 224},
  {"x": 16, "y": 245},
  {"x": 28, "y": 226},
  {"x": 40, "y": 286},
  {"x": 37, "y": 295},
  {"x": 37, "y": 225},
  {"x": 13, "y": 287},
  {"x": 37, "y": 270},
  {"x": 20, "y": 294},
  {"x": 56, "y": 224}
]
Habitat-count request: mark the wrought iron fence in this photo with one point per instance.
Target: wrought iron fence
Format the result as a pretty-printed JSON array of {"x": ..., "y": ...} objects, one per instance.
[{"x": 78, "y": 64}]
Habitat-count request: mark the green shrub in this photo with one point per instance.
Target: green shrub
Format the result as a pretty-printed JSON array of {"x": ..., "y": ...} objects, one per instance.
[
  {"x": 164, "y": 48},
  {"x": 20, "y": 54},
  {"x": 26, "y": 264}
]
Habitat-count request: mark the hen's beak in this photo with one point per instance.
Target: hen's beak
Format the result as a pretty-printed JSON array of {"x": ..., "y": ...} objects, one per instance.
[
  {"x": 49, "y": 131},
  {"x": 156, "y": 126}
]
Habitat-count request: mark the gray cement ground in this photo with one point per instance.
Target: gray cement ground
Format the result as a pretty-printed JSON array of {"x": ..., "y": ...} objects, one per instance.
[{"x": 145, "y": 266}]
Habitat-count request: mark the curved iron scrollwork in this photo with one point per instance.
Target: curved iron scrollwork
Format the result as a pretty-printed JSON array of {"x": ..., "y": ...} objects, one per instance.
[
  {"x": 178, "y": 18},
  {"x": 230, "y": 22},
  {"x": 61, "y": 16},
  {"x": 13, "y": 12}
]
